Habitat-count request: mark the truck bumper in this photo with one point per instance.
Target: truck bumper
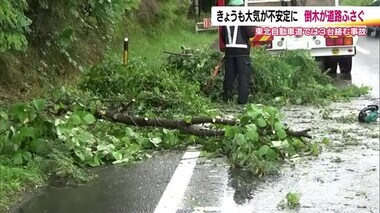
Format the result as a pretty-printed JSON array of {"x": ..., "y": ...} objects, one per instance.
[{"x": 326, "y": 51}]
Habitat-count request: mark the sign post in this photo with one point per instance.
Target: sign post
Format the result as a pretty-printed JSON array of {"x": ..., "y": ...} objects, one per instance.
[{"x": 125, "y": 52}]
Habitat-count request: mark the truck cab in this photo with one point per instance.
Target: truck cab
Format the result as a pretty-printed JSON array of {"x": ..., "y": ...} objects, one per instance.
[{"x": 329, "y": 51}]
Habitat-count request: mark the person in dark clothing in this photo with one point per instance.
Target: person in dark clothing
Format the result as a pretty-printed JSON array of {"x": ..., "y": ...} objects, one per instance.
[{"x": 237, "y": 58}]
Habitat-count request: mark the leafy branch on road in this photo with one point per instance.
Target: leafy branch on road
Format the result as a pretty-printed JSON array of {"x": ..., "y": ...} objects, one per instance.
[
  {"x": 184, "y": 125},
  {"x": 292, "y": 201}
]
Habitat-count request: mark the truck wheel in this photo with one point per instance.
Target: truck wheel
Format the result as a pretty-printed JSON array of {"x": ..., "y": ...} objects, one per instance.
[
  {"x": 377, "y": 33},
  {"x": 345, "y": 65},
  {"x": 331, "y": 63}
]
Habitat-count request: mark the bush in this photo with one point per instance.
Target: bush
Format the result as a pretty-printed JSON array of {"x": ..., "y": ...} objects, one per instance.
[
  {"x": 292, "y": 77},
  {"x": 156, "y": 91}
]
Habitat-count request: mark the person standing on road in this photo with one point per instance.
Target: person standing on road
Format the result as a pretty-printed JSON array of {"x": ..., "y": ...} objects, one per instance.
[{"x": 237, "y": 58}]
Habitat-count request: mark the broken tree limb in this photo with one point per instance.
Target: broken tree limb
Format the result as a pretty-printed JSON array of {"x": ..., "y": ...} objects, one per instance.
[
  {"x": 302, "y": 133},
  {"x": 182, "y": 125},
  {"x": 209, "y": 83},
  {"x": 179, "y": 54},
  {"x": 125, "y": 107},
  {"x": 202, "y": 132},
  {"x": 163, "y": 122}
]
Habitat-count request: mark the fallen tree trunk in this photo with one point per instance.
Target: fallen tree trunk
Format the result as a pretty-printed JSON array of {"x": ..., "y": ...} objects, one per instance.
[{"x": 182, "y": 125}]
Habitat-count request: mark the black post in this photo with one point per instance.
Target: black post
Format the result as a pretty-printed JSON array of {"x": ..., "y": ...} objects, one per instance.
[{"x": 125, "y": 52}]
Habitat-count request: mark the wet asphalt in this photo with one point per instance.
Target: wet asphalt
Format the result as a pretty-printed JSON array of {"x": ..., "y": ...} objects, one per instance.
[
  {"x": 351, "y": 186},
  {"x": 133, "y": 188}
]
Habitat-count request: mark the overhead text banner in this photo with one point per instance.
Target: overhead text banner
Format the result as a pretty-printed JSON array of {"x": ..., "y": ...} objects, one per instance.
[{"x": 295, "y": 16}]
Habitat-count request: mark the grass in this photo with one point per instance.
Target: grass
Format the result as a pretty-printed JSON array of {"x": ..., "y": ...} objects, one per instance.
[
  {"x": 152, "y": 49},
  {"x": 14, "y": 180}
]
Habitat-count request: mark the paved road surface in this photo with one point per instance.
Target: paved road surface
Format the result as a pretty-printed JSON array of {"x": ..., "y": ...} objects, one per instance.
[{"x": 366, "y": 64}]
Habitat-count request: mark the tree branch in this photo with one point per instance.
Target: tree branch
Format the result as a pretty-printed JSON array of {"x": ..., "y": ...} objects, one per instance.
[{"x": 182, "y": 125}]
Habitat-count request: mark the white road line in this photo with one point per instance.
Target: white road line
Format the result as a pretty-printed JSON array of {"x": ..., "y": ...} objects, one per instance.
[
  {"x": 362, "y": 50},
  {"x": 174, "y": 192}
]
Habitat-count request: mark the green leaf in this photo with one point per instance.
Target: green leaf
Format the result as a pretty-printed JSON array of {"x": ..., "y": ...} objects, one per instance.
[
  {"x": 278, "y": 126},
  {"x": 134, "y": 148},
  {"x": 261, "y": 122},
  {"x": 156, "y": 141},
  {"x": 188, "y": 119},
  {"x": 62, "y": 130},
  {"x": 315, "y": 149},
  {"x": 39, "y": 104},
  {"x": 125, "y": 160},
  {"x": 263, "y": 150},
  {"x": 4, "y": 126},
  {"x": 281, "y": 134},
  {"x": 84, "y": 136},
  {"x": 285, "y": 144},
  {"x": 253, "y": 114},
  {"x": 87, "y": 153},
  {"x": 75, "y": 119},
  {"x": 276, "y": 143},
  {"x": 117, "y": 155},
  {"x": 245, "y": 120},
  {"x": 4, "y": 115},
  {"x": 130, "y": 133},
  {"x": 20, "y": 113},
  {"x": 229, "y": 132},
  {"x": 89, "y": 119},
  {"x": 272, "y": 111},
  {"x": 325, "y": 140},
  {"x": 252, "y": 135},
  {"x": 101, "y": 147},
  {"x": 56, "y": 107},
  {"x": 95, "y": 161},
  {"x": 271, "y": 155},
  {"x": 17, "y": 158},
  {"x": 297, "y": 142},
  {"x": 28, "y": 132},
  {"x": 27, "y": 156},
  {"x": 37, "y": 146},
  {"x": 80, "y": 154},
  {"x": 240, "y": 139},
  {"x": 145, "y": 142},
  {"x": 251, "y": 127}
]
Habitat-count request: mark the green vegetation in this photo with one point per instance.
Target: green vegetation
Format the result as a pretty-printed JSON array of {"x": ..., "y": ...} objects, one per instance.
[
  {"x": 289, "y": 78},
  {"x": 291, "y": 201},
  {"x": 355, "y": 2},
  {"x": 67, "y": 57}
]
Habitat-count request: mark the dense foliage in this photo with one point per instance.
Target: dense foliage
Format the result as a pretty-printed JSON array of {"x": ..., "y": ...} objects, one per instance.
[
  {"x": 43, "y": 42},
  {"x": 156, "y": 91},
  {"x": 18, "y": 17},
  {"x": 260, "y": 141},
  {"x": 355, "y": 2},
  {"x": 291, "y": 77}
]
